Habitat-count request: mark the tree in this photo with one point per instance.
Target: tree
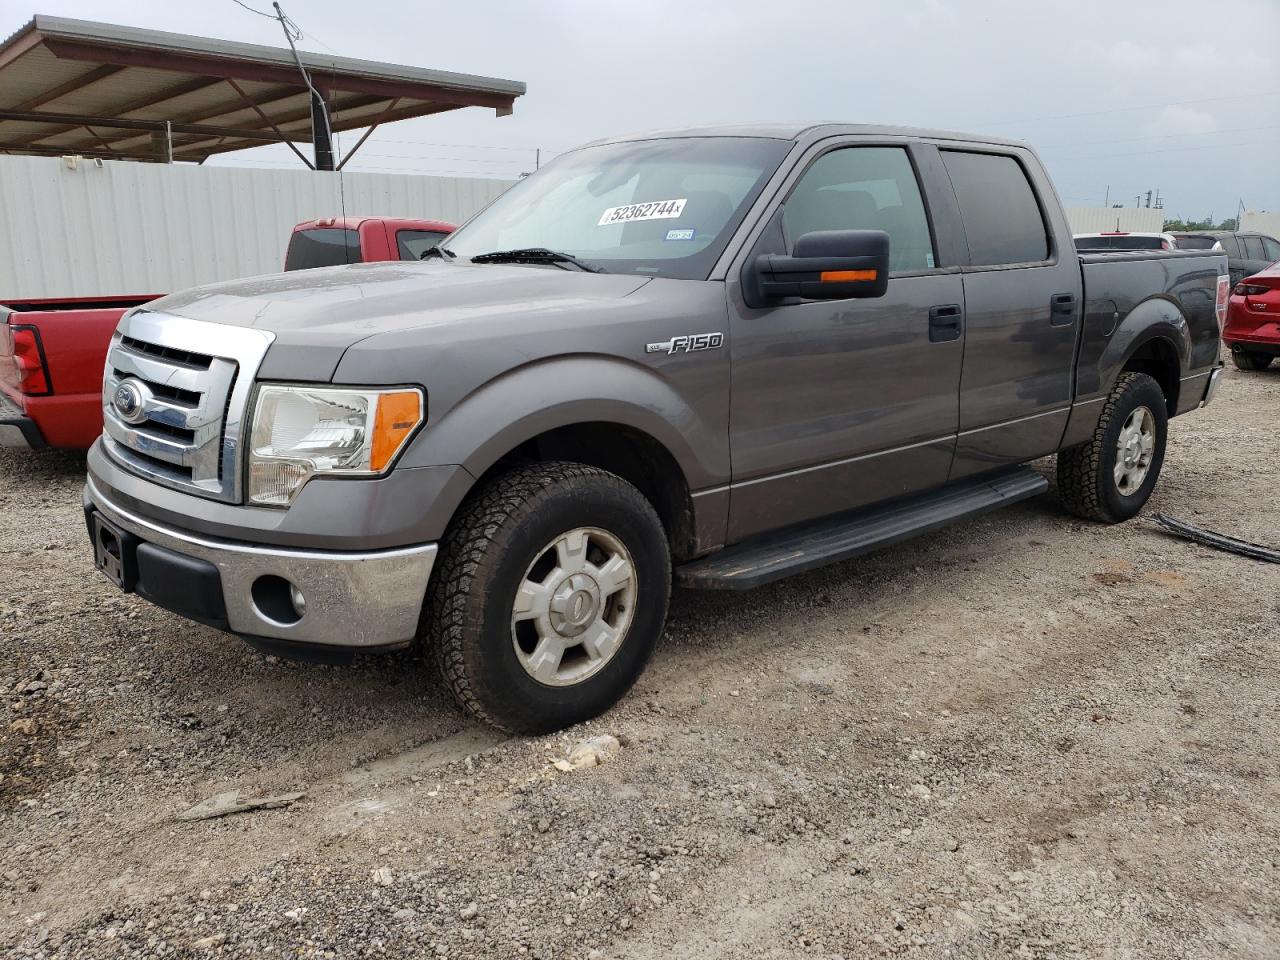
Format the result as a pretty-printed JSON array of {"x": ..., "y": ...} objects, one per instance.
[{"x": 1180, "y": 225}]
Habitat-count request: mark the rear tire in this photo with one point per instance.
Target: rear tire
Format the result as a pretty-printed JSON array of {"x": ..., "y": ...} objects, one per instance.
[
  {"x": 549, "y": 595},
  {"x": 1251, "y": 360},
  {"x": 1111, "y": 476}
]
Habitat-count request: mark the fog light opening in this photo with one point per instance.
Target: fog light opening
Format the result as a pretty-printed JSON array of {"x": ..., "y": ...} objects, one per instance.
[{"x": 278, "y": 600}]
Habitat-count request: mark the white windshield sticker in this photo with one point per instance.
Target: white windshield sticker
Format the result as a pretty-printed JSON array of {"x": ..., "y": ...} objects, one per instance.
[{"x": 653, "y": 210}]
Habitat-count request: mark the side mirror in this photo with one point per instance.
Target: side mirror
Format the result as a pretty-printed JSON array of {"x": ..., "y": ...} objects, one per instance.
[{"x": 828, "y": 265}]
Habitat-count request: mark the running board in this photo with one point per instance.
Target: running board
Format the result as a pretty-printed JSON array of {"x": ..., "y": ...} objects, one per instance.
[{"x": 812, "y": 545}]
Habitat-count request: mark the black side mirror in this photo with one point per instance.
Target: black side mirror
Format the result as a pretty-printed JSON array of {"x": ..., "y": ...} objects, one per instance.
[{"x": 828, "y": 265}]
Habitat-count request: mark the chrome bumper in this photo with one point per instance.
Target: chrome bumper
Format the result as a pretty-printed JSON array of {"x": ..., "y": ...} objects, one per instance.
[
  {"x": 1212, "y": 388},
  {"x": 16, "y": 429},
  {"x": 353, "y": 600}
]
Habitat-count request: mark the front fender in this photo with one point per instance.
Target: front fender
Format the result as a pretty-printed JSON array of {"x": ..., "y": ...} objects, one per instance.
[{"x": 558, "y": 392}]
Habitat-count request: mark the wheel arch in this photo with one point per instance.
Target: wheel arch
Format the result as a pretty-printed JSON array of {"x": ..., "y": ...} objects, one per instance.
[
  {"x": 1153, "y": 338},
  {"x": 613, "y": 415},
  {"x": 1158, "y": 358}
]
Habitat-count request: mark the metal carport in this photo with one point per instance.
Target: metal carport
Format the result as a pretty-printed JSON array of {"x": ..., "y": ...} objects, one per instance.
[{"x": 123, "y": 93}]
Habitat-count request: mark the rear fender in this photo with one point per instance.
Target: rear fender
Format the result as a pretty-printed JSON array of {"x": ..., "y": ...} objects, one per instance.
[{"x": 1103, "y": 355}]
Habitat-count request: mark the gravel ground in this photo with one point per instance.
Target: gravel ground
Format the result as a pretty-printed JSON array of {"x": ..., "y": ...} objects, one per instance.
[{"x": 1028, "y": 736}]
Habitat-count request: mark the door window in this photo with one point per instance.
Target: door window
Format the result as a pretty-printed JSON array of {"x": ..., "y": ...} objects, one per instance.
[
  {"x": 1002, "y": 219},
  {"x": 1272, "y": 247},
  {"x": 412, "y": 244},
  {"x": 1252, "y": 248},
  {"x": 864, "y": 188}
]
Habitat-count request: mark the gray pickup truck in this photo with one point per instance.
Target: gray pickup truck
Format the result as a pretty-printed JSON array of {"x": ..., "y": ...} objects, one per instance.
[{"x": 714, "y": 357}]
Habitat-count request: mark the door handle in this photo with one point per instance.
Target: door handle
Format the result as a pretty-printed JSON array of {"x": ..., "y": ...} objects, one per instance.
[
  {"x": 946, "y": 322},
  {"x": 1062, "y": 309}
]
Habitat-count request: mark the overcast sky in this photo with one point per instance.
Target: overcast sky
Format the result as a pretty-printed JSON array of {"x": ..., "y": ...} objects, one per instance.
[{"x": 1179, "y": 95}]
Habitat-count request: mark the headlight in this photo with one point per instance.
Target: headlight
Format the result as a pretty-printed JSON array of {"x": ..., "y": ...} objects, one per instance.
[{"x": 299, "y": 432}]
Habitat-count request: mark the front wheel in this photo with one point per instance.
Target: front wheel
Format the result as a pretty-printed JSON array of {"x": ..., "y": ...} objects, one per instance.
[
  {"x": 550, "y": 592},
  {"x": 1111, "y": 476},
  {"x": 1251, "y": 360}
]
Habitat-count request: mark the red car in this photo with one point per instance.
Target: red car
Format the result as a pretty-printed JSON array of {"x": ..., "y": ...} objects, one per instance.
[
  {"x": 52, "y": 351},
  {"x": 1253, "y": 320}
]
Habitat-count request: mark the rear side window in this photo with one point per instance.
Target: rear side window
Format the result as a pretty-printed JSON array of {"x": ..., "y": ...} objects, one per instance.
[
  {"x": 412, "y": 244},
  {"x": 1002, "y": 219},
  {"x": 1252, "y": 248},
  {"x": 864, "y": 188},
  {"x": 1272, "y": 247},
  {"x": 1232, "y": 247},
  {"x": 328, "y": 247}
]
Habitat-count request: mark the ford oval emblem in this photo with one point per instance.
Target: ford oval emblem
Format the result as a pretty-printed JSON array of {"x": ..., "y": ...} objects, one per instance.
[{"x": 130, "y": 401}]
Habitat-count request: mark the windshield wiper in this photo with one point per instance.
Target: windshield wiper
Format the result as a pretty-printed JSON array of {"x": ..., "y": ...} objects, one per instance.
[
  {"x": 535, "y": 255},
  {"x": 437, "y": 251}
]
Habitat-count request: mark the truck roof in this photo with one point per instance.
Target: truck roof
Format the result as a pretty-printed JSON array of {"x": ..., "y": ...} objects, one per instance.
[
  {"x": 806, "y": 131},
  {"x": 353, "y": 223}
]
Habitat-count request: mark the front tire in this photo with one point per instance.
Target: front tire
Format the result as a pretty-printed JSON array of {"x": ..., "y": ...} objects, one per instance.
[
  {"x": 1251, "y": 360},
  {"x": 549, "y": 595},
  {"x": 1111, "y": 476}
]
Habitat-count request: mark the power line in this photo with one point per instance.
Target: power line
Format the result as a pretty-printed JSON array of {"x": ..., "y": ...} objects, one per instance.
[
  {"x": 260, "y": 13},
  {"x": 1143, "y": 153},
  {"x": 1150, "y": 106},
  {"x": 1160, "y": 136}
]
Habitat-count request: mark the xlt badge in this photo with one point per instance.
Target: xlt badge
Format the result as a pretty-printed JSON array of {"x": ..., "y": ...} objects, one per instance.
[{"x": 687, "y": 343}]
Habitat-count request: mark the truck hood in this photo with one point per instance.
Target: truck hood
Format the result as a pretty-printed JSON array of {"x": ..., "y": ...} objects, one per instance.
[{"x": 317, "y": 314}]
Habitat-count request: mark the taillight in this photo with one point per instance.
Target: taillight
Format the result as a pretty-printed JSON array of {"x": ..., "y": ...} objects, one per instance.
[
  {"x": 28, "y": 353},
  {"x": 1224, "y": 286},
  {"x": 1249, "y": 290}
]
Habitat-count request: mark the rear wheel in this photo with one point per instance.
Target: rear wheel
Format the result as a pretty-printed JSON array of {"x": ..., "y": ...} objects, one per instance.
[
  {"x": 550, "y": 592},
  {"x": 1251, "y": 360},
  {"x": 1111, "y": 476}
]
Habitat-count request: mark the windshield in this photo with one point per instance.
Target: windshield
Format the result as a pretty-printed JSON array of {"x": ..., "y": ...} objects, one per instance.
[{"x": 661, "y": 208}]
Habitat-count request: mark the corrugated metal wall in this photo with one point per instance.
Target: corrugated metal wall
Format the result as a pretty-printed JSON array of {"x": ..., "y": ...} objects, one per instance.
[
  {"x": 134, "y": 228},
  {"x": 1268, "y": 223},
  {"x": 1105, "y": 219}
]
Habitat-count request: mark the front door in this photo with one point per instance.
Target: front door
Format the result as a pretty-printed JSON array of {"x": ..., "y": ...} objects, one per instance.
[{"x": 837, "y": 404}]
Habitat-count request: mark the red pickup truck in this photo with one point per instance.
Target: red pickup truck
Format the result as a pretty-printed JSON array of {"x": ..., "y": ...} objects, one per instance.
[{"x": 52, "y": 351}]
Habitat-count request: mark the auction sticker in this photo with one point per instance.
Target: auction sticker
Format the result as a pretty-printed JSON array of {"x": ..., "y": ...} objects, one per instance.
[{"x": 653, "y": 210}]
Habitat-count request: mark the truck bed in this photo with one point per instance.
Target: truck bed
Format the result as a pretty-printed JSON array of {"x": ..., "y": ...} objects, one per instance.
[
  {"x": 1132, "y": 294},
  {"x": 59, "y": 404}
]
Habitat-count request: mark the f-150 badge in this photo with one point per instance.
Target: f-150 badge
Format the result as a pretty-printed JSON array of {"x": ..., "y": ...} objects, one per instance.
[{"x": 687, "y": 344}]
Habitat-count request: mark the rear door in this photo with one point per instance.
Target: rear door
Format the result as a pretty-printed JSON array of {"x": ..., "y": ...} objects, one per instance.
[{"x": 1022, "y": 303}]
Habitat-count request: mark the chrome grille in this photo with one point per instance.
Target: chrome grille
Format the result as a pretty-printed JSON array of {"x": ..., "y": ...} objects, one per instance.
[{"x": 186, "y": 389}]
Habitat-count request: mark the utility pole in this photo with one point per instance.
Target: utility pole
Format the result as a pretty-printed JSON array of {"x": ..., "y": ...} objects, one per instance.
[
  {"x": 537, "y": 159},
  {"x": 1107, "y": 202}
]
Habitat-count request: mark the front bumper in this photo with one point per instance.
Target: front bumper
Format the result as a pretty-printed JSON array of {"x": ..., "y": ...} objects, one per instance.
[{"x": 354, "y": 600}]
